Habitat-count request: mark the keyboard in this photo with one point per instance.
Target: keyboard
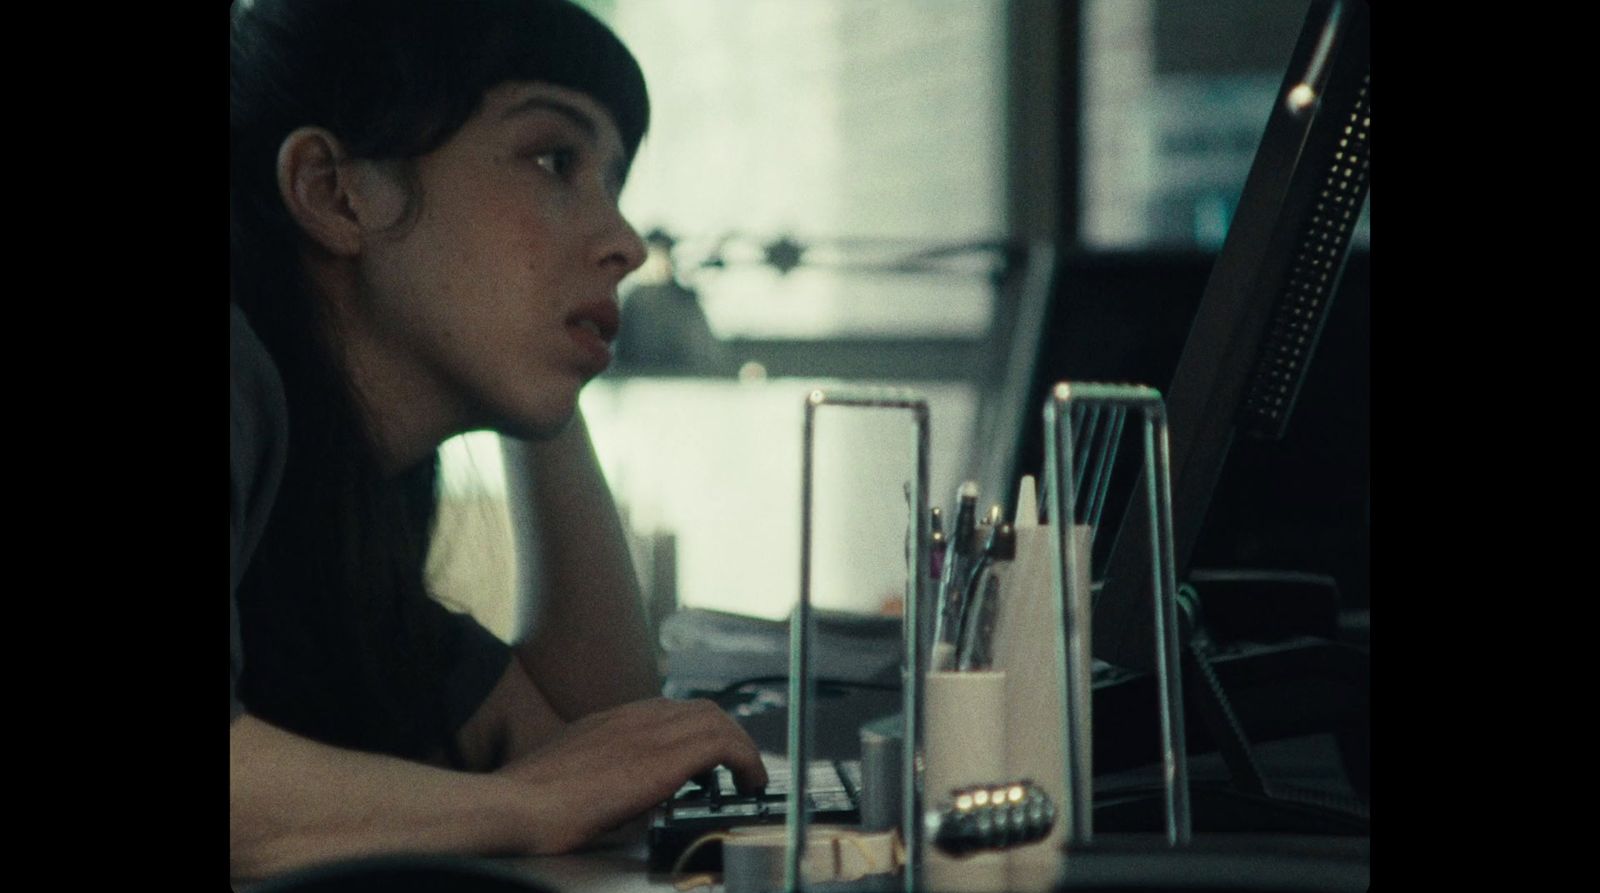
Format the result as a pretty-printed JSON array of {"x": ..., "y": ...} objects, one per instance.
[{"x": 833, "y": 790}]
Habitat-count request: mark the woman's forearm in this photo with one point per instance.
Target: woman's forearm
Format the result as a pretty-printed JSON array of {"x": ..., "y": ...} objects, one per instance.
[
  {"x": 294, "y": 802},
  {"x": 587, "y": 647}
]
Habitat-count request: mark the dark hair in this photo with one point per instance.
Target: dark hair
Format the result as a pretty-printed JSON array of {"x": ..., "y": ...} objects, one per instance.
[{"x": 333, "y": 607}]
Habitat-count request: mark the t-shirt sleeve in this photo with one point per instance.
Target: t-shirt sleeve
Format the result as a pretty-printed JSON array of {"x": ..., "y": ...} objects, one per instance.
[
  {"x": 480, "y": 660},
  {"x": 257, "y": 444}
]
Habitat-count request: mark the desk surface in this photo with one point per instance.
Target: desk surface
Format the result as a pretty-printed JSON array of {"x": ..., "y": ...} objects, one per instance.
[
  {"x": 618, "y": 869},
  {"x": 615, "y": 869},
  {"x": 1142, "y": 861},
  {"x": 1136, "y": 861}
]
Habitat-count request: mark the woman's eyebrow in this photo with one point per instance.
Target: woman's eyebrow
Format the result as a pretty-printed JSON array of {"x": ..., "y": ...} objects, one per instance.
[
  {"x": 566, "y": 110},
  {"x": 616, "y": 172}
]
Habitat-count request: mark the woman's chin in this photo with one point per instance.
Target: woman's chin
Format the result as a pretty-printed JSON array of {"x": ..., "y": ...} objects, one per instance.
[{"x": 542, "y": 425}]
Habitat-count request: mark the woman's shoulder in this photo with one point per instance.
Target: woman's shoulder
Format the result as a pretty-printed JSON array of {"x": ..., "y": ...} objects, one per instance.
[
  {"x": 251, "y": 363},
  {"x": 258, "y": 435},
  {"x": 255, "y": 390}
]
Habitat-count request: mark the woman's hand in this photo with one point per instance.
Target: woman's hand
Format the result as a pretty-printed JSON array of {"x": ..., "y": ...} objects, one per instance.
[{"x": 608, "y": 767}]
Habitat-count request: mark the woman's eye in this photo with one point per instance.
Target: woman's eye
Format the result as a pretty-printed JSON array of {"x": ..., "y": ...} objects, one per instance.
[{"x": 557, "y": 161}]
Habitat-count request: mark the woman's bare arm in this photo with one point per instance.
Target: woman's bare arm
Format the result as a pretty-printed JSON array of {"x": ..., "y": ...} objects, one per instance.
[
  {"x": 294, "y": 802},
  {"x": 588, "y": 648}
]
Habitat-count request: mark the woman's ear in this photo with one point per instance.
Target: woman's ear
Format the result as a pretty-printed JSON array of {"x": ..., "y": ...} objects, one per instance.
[
  {"x": 314, "y": 190},
  {"x": 336, "y": 201}
]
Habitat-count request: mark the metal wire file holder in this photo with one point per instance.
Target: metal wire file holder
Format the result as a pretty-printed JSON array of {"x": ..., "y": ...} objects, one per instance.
[
  {"x": 799, "y": 634},
  {"x": 1072, "y": 422}
]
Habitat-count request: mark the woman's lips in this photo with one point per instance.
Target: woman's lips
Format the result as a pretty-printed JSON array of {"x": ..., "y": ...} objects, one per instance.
[
  {"x": 603, "y": 317},
  {"x": 593, "y": 328}
]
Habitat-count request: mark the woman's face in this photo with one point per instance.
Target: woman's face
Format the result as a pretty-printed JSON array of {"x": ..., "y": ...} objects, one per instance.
[{"x": 495, "y": 299}]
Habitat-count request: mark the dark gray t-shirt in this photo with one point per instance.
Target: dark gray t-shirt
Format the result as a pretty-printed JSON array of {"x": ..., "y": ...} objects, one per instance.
[{"x": 258, "y": 445}]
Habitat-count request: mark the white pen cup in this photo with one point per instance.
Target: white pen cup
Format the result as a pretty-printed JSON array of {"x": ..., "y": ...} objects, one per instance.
[{"x": 965, "y": 725}]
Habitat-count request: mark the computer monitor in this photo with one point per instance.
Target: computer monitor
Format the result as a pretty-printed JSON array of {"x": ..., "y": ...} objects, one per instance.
[{"x": 1261, "y": 313}]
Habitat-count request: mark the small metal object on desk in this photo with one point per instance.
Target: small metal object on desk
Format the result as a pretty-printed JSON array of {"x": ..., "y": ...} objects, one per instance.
[{"x": 991, "y": 817}]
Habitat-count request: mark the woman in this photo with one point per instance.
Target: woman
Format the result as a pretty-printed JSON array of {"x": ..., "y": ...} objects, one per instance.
[{"x": 425, "y": 240}]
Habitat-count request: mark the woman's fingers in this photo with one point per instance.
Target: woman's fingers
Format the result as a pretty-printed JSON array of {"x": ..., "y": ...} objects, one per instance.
[{"x": 613, "y": 765}]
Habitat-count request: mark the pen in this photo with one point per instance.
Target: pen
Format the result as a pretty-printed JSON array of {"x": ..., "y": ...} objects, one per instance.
[
  {"x": 963, "y": 533},
  {"x": 981, "y": 533},
  {"x": 960, "y": 552},
  {"x": 976, "y": 650}
]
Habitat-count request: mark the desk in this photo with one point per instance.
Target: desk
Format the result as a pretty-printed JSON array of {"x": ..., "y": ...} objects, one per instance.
[
  {"x": 618, "y": 868},
  {"x": 1131, "y": 861},
  {"x": 615, "y": 869},
  {"x": 1264, "y": 862}
]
